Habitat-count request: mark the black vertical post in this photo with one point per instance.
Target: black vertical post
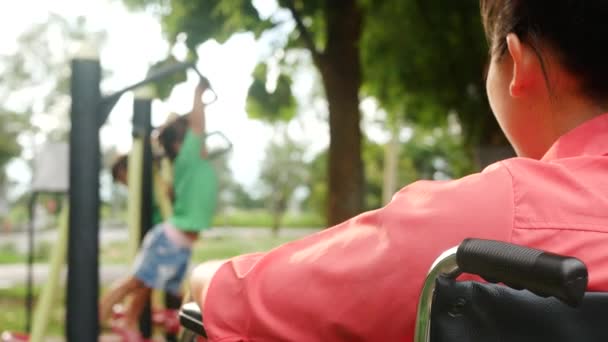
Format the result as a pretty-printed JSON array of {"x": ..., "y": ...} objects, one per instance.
[
  {"x": 30, "y": 263},
  {"x": 142, "y": 127},
  {"x": 83, "y": 242}
]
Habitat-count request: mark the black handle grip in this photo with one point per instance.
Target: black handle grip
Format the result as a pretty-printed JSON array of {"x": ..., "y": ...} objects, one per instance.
[
  {"x": 543, "y": 273},
  {"x": 191, "y": 318}
]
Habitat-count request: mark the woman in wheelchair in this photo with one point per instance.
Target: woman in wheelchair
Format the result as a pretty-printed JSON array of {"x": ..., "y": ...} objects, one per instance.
[{"x": 547, "y": 84}]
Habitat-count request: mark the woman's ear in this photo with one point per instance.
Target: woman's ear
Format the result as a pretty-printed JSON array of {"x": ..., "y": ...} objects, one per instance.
[
  {"x": 515, "y": 51},
  {"x": 526, "y": 67}
]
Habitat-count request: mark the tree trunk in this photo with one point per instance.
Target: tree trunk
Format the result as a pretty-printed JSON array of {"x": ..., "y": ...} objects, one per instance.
[
  {"x": 340, "y": 69},
  {"x": 276, "y": 223},
  {"x": 279, "y": 208}
]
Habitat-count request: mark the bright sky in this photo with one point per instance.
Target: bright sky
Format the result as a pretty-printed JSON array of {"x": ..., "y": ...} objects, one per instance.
[{"x": 135, "y": 41}]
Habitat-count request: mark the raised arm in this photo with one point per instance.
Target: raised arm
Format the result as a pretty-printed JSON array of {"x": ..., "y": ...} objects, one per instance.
[{"x": 197, "y": 117}]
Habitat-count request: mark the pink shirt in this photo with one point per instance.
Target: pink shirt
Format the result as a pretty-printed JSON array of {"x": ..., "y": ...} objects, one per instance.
[{"x": 360, "y": 280}]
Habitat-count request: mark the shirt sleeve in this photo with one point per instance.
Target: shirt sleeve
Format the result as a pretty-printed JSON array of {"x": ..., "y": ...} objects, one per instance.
[{"x": 346, "y": 283}]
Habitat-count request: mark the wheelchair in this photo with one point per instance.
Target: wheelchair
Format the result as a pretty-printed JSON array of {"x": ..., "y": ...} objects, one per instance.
[{"x": 529, "y": 295}]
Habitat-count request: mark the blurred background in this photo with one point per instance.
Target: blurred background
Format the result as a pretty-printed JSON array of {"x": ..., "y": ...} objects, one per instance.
[{"x": 331, "y": 106}]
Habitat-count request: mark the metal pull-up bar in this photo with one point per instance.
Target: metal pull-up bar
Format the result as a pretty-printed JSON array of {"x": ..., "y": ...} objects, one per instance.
[{"x": 108, "y": 102}]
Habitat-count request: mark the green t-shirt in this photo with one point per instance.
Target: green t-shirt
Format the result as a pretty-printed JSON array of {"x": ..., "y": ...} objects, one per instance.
[{"x": 195, "y": 187}]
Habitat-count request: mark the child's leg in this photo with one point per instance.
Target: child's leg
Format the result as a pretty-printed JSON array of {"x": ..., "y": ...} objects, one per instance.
[
  {"x": 117, "y": 293},
  {"x": 138, "y": 301},
  {"x": 143, "y": 274}
]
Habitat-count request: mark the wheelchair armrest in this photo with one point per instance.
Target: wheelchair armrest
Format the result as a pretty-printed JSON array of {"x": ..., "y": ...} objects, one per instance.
[
  {"x": 191, "y": 318},
  {"x": 543, "y": 273}
]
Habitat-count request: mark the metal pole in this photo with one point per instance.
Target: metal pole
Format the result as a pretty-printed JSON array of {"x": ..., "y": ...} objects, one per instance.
[
  {"x": 82, "y": 323},
  {"x": 142, "y": 127},
  {"x": 108, "y": 102},
  {"x": 30, "y": 263}
]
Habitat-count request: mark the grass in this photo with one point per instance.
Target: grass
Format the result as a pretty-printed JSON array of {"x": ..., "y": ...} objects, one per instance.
[
  {"x": 10, "y": 255},
  {"x": 263, "y": 219},
  {"x": 222, "y": 248},
  {"x": 216, "y": 248},
  {"x": 12, "y": 315}
]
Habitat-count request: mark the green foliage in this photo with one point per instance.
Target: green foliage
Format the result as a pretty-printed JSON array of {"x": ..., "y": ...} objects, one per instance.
[
  {"x": 10, "y": 126},
  {"x": 240, "y": 198},
  {"x": 432, "y": 153},
  {"x": 12, "y": 315},
  {"x": 276, "y": 106},
  {"x": 18, "y": 214},
  {"x": 434, "y": 52},
  {"x": 283, "y": 171},
  {"x": 437, "y": 154},
  {"x": 41, "y": 65},
  {"x": 314, "y": 18},
  {"x": 163, "y": 88},
  {"x": 40, "y": 70},
  {"x": 232, "y": 194},
  {"x": 317, "y": 185},
  {"x": 198, "y": 21},
  {"x": 422, "y": 59},
  {"x": 205, "y": 19}
]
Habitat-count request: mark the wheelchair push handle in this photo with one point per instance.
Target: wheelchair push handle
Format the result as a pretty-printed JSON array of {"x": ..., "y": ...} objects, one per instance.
[
  {"x": 545, "y": 274},
  {"x": 191, "y": 318}
]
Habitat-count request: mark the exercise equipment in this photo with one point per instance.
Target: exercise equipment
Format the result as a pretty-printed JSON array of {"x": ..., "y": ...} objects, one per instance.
[
  {"x": 79, "y": 234},
  {"x": 89, "y": 111}
]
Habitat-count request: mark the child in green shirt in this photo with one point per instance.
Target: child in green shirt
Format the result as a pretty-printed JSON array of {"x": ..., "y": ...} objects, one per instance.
[{"x": 165, "y": 252}]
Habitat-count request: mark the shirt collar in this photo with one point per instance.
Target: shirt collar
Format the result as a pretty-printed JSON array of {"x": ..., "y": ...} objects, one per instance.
[{"x": 590, "y": 138}]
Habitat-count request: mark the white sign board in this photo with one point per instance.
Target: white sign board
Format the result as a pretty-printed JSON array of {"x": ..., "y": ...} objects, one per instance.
[{"x": 51, "y": 168}]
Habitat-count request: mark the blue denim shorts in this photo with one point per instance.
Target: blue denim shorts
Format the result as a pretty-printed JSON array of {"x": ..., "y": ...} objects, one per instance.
[{"x": 160, "y": 264}]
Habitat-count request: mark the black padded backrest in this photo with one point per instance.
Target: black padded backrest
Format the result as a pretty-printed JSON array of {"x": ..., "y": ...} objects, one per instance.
[{"x": 476, "y": 312}]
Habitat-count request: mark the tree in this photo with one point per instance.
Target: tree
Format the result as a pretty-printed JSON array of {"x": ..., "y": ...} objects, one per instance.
[
  {"x": 428, "y": 63},
  {"x": 283, "y": 171},
  {"x": 429, "y": 153},
  {"x": 421, "y": 59},
  {"x": 10, "y": 126},
  {"x": 34, "y": 91},
  {"x": 39, "y": 70},
  {"x": 231, "y": 193}
]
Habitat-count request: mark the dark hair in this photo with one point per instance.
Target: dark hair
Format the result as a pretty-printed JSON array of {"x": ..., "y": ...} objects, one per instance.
[
  {"x": 121, "y": 163},
  {"x": 575, "y": 30},
  {"x": 173, "y": 134}
]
